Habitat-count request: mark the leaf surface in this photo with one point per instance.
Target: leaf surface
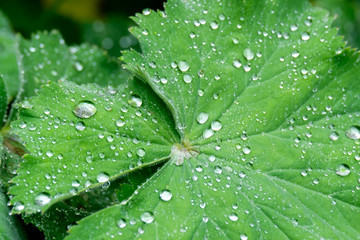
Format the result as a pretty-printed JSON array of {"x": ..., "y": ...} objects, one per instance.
[
  {"x": 264, "y": 91},
  {"x": 46, "y": 57},
  {"x": 84, "y": 137},
  {"x": 3, "y": 100}
]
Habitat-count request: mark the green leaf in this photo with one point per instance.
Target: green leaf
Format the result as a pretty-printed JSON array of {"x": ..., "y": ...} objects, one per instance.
[
  {"x": 84, "y": 137},
  {"x": 8, "y": 62},
  {"x": 3, "y": 100},
  {"x": 266, "y": 102},
  {"x": 10, "y": 229},
  {"x": 46, "y": 57}
]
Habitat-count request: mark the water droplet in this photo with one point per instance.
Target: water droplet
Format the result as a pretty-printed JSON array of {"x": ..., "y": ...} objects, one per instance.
[
  {"x": 78, "y": 66},
  {"x": 218, "y": 170},
  {"x": 233, "y": 217},
  {"x": 102, "y": 177},
  {"x": 295, "y": 54},
  {"x": 187, "y": 78},
  {"x": 84, "y": 109},
  {"x": 202, "y": 118},
  {"x": 119, "y": 123},
  {"x": 343, "y": 170},
  {"x": 42, "y": 199},
  {"x": 246, "y": 150},
  {"x": 80, "y": 126},
  {"x": 147, "y": 217},
  {"x": 293, "y": 27},
  {"x": 166, "y": 195},
  {"x": 214, "y": 25},
  {"x": 236, "y": 63},
  {"x": 334, "y": 136},
  {"x": 135, "y": 101},
  {"x": 121, "y": 223},
  {"x": 207, "y": 133},
  {"x": 140, "y": 152},
  {"x": 243, "y": 236},
  {"x": 305, "y": 36},
  {"x": 216, "y": 126},
  {"x": 183, "y": 66},
  {"x": 353, "y": 132},
  {"x": 18, "y": 206},
  {"x": 248, "y": 54}
]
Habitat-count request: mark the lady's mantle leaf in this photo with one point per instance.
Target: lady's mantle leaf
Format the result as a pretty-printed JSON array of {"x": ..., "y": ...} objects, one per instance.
[
  {"x": 82, "y": 137},
  {"x": 265, "y": 94}
]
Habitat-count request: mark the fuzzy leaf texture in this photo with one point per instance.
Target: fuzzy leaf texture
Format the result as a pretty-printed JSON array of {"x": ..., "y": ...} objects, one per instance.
[{"x": 264, "y": 98}]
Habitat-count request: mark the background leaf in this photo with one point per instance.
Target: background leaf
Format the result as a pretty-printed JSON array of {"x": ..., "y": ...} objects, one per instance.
[{"x": 3, "y": 100}]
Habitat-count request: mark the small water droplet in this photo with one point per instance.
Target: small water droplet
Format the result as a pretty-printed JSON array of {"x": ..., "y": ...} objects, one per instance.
[
  {"x": 75, "y": 183},
  {"x": 246, "y": 150},
  {"x": 42, "y": 199},
  {"x": 18, "y": 206},
  {"x": 243, "y": 236},
  {"x": 80, "y": 126},
  {"x": 166, "y": 195},
  {"x": 295, "y": 54},
  {"x": 102, "y": 177},
  {"x": 140, "y": 152},
  {"x": 207, "y": 133},
  {"x": 237, "y": 64},
  {"x": 248, "y": 54},
  {"x": 202, "y": 118},
  {"x": 84, "y": 109},
  {"x": 214, "y": 25},
  {"x": 119, "y": 123},
  {"x": 233, "y": 217},
  {"x": 135, "y": 101},
  {"x": 78, "y": 66},
  {"x": 305, "y": 36},
  {"x": 334, "y": 136},
  {"x": 353, "y": 132},
  {"x": 147, "y": 217},
  {"x": 183, "y": 66},
  {"x": 187, "y": 78},
  {"x": 216, "y": 125},
  {"x": 343, "y": 170},
  {"x": 121, "y": 223}
]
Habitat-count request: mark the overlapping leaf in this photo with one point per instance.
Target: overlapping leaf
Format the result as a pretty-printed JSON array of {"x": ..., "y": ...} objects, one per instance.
[
  {"x": 46, "y": 57},
  {"x": 84, "y": 137},
  {"x": 264, "y": 91}
]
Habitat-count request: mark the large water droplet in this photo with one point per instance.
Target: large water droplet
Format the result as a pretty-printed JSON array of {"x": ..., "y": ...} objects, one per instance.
[
  {"x": 147, "y": 217},
  {"x": 202, "y": 118},
  {"x": 207, "y": 133},
  {"x": 135, "y": 101},
  {"x": 243, "y": 236},
  {"x": 84, "y": 109},
  {"x": 42, "y": 199},
  {"x": 343, "y": 170},
  {"x": 140, "y": 152},
  {"x": 353, "y": 132},
  {"x": 334, "y": 136},
  {"x": 305, "y": 36},
  {"x": 237, "y": 64},
  {"x": 216, "y": 126},
  {"x": 183, "y": 66},
  {"x": 166, "y": 195},
  {"x": 102, "y": 177},
  {"x": 187, "y": 78}
]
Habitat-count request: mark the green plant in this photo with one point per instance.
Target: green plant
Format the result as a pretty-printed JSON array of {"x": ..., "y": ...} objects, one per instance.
[{"x": 239, "y": 119}]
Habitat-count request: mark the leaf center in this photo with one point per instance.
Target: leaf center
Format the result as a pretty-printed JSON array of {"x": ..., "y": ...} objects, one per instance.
[{"x": 181, "y": 152}]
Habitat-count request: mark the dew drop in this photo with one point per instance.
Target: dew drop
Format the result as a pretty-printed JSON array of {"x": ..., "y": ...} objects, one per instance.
[
  {"x": 202, "y": 118},
  {"x": 18, "y": 206},
  {"x": 121, "y": 223},
  {"x": 78, "y": 66},
  {"x": 42, "y": 199},
  {"x": 246, "y": 150},
  {"x": 207, "y": 133},
  {"x": 334, "y": 136},
  {"x": 187, "y": 78},
  {"x": 248, "y": 54},
  {"x": 183, "y": 66},
  {"x": 102, "y": 177},
  {"x": 305, "y": 36},
  {"x": 84, "y": 109},
  {"x": 295, "y": 54},
  {"x": 75, "y": 183},
  {"x": 135, "y": 101},
  {"x": 166, "y": 195},
  {"x": 343, "y": 170},
  {"x": 80, "y": 126},
  {"x": 236, "y": 63},
  {"x": 140, "y": 152},
  {"x": 353, "y": 132},
  {"x": 243, "y": 236},
  {"x": 216, "y": 126},
  {"x": 233, "y": 217},
  {"x": 119, "y": 123},
  {"x": 214, "y": 25},
  {"x": 147, "y": 217}
]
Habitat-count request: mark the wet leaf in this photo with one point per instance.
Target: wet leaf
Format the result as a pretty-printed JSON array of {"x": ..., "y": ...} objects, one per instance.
[
  {"x": 71, "y": 153},
  {"x": 265, "y": 99},
  {"x": 3, "y": 100}
]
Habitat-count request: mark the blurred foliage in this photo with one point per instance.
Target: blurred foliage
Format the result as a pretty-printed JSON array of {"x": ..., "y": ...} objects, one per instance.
[{"x": 347, "y": 14}]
